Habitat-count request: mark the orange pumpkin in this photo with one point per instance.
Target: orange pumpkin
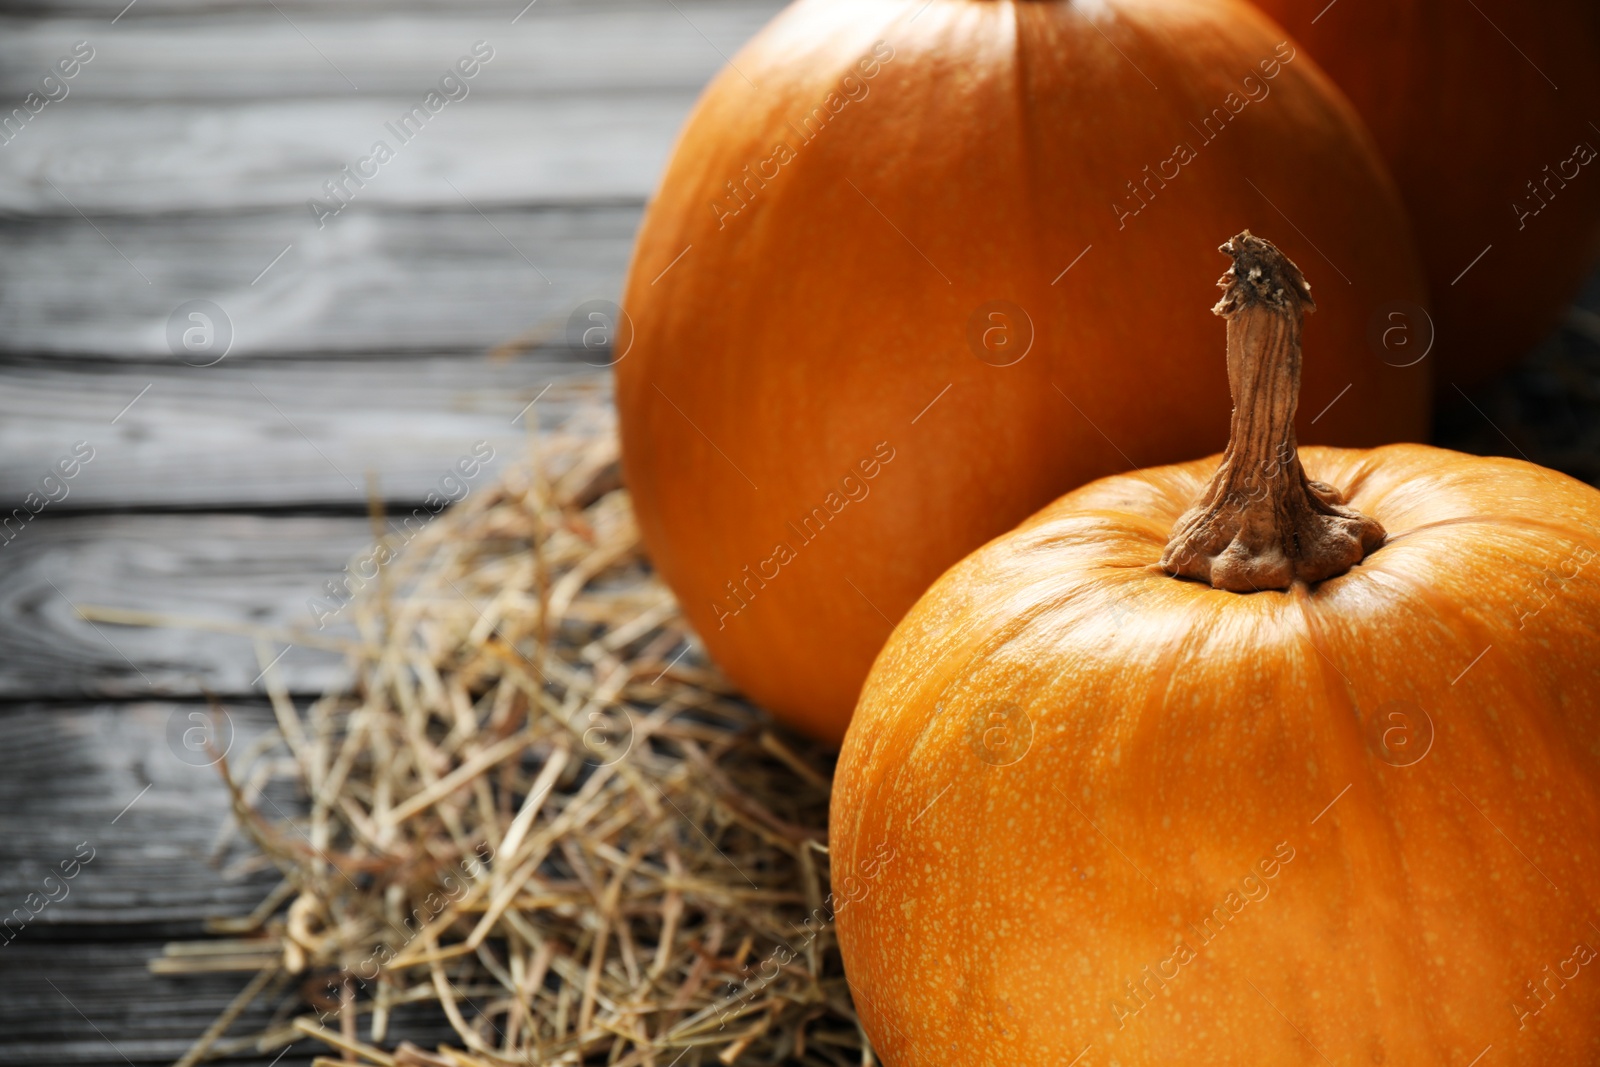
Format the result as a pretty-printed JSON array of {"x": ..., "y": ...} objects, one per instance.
[
  {"x": 1090, "y": 809},
  {"x": 914, "y": 270},
  {"x": 1485, "y": 113}
]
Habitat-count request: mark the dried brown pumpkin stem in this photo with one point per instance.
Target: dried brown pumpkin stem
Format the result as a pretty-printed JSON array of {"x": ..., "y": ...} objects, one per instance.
[{"x": 1261, "y": 523}]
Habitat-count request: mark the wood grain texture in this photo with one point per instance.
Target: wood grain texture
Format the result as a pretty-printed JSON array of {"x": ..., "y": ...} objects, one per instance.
[
  {"x": 501, "y": 10},
  {"x": 193, "y": 140},
  {"x": 95, "y": 1005},
  {"x": 239, "y": 107},
  {"x": 113, "y": 158},
  {"x": 125, "y": 795},
  {"x": 92, "y": 1004},
  {"x": 273, "y": 433},
  {"x": 226, "y": 576},
  {"x": 215, "y": 147},
  {"x": 74, "y": 772},
  {"x": 372, "y": 281},
  {"x": 254, "y": 52}
]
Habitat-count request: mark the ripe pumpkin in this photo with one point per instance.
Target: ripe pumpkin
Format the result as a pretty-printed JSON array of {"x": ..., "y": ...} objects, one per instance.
[
  {"x": 913, "y": 271},
  {"x": 1485, "y": 115},
  {"x": 1091, "y": 809}
]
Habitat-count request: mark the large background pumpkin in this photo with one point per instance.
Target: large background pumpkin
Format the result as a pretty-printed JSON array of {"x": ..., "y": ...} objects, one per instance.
[
  {"x": 809, "y": 432},
  {"x": 1086, "y": 805},
  {"x": 1470, "y": 103}
]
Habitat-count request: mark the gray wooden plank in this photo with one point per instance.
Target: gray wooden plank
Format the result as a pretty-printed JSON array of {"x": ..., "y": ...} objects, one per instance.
[
  {"x": 105, "y": 809},
  {"x": 576, "y": 103},
  {"x": 373, "y": 281},
  {"x": 109, "y": 158},
  {"x": 271, "y": 433},
  {"x": 257, "y": 53},
  {"x": 245, "y": 573},
  {"x": 106, "y": 11},
  {"x": 94, "y": 1005}
]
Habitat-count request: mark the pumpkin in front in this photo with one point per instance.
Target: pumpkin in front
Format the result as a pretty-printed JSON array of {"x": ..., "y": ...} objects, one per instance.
[
  {"x": 915, "y": 269},
  {"x": 1089, "y": 809}
]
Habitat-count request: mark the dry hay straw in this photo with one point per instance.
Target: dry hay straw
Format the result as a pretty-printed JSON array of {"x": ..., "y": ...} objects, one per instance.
[{"x": 538, "y": 809}]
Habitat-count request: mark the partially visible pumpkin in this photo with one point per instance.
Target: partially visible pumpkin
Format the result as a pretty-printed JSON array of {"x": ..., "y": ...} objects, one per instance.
[
  {"x": 1092, "y": 813},
  {"x": 1485, "y": 112},
  {"x": 899, "y": 289}
]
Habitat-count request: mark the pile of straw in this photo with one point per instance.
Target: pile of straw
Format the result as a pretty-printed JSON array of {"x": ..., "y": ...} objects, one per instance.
[{"x": 539, "y": 811}]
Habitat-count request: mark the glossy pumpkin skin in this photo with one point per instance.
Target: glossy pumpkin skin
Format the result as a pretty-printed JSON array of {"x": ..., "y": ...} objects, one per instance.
[
  {"x": 998, "y": 879},
  {"x": 1466, "y": 119},
  {"x": 780, "y": 353}
]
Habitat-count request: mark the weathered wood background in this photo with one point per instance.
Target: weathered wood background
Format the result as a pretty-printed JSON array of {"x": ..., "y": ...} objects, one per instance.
[{"x": 176, "y": 169}]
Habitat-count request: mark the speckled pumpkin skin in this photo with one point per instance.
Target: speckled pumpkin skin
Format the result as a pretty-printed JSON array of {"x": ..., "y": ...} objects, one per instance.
[{"x": 1088, "y": 810}]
